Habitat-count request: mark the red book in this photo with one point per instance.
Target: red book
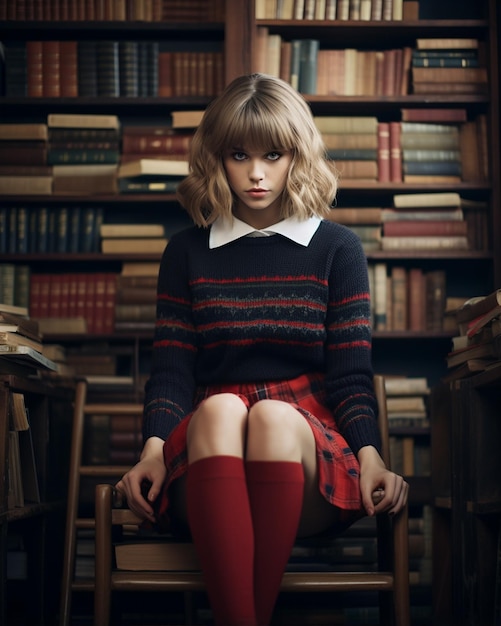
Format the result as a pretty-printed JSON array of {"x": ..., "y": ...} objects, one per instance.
[
  {"x": 34, "y": 68},
  {"x": 165, "y": 75},
  {"x": 410, "y": 228},
  {"x": 54, "y": 305},
  {"x": 90, "y": 302},
  {"x": 98, "y": 325},
  {"x": 383, "y": 152},
  {"x": 395, "y": 153},
  {"x": 109, "y": 303},
  {"x": 68, "y": 69},
  {"x": 51, "y": 69},
  {"x": 417, "y": 299},
  {"x": 45, "y": 280},
  {"x": 416, "y": 228},
  {"x": 72, "y": 295},
  {"x": 156, "y": 144}
]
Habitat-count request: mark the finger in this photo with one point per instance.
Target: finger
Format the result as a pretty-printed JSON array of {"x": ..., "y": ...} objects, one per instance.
[{"x": 377, "y": 495}]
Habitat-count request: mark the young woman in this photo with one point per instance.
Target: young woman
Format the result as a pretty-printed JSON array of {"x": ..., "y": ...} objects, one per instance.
[{"x": 259, "y": 420}]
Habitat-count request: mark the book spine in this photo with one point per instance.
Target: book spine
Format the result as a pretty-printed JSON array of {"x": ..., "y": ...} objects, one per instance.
[{"x": 383, "y": 152}]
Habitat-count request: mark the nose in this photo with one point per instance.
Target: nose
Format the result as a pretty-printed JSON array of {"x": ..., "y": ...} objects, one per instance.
[{"x": 256, "y": 172}]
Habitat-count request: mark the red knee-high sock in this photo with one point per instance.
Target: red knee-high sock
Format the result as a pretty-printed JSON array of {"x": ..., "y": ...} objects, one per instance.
[
  {"x": 221, "y": 526},
  {"x": 276, "y": 497}
]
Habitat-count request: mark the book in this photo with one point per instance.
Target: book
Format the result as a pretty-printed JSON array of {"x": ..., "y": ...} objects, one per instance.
[
  {"x": 399, "y": 300},
  {"x": 449, "y": 74},
  {"x": 26, "y": 185},
  {"x": 12, "y": 309},
  {"x": 23, "y": 131},
  {"x": 10, "y": 338},
  {"x": 166, "y": 184},
  {"x": 478, "y": 306},
  {"x": 446, "y": 43},
  {"x": 132, "y": 230},
  {"x": 434, "y": 115},
  {"x": 436, "y": 283},
  {"x": 473, "y": 351},
  {"x": 356, "y": 215},
  {"x": 347, "y": 125},
  {"x": 20, "y": 325},
  {"x": 77, "y": 120},
  {"x": 186, "y": 119},
  {"x": 431, "y": 242},
  {"x": 131, "y": 245},
  {"x": 426, "y": 214},
  {"x": 160, "y": 555},
  {"x": 406, "y": 385},
  {"x": 383, "y": 152},
  {"x": 416, "y": 228},
  {"x": 468, "y": 368},
  {"x": 439, "y": 199},
  {"x": 25, "y": 354},
  {"x": 152, "y": 167}
]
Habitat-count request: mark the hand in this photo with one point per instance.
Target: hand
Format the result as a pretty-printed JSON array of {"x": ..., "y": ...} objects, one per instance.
[
  {"x": 381, "y": 489},
  {"x": 151, "y": 470}
]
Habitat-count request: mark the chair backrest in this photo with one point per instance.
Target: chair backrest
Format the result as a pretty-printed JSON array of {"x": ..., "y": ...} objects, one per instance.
[{"x": 177, "y": 569}]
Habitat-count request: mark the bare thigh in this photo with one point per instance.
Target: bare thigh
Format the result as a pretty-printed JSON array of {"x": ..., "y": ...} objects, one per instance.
[{"x": 277, "y": 431}]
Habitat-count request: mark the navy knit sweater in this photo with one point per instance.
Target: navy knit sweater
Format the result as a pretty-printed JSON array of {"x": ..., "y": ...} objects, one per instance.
[{"x": 263, "y": 309}]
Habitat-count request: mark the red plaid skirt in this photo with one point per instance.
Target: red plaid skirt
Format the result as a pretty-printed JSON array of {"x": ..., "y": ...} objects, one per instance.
[{"x": 338, "y": 467}]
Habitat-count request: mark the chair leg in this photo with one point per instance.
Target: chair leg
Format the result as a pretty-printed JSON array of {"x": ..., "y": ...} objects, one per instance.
[
  {"x": 102, "y": 587},
  {"x": 72, "y": 505},
  {"x": 401, "y": 569}
]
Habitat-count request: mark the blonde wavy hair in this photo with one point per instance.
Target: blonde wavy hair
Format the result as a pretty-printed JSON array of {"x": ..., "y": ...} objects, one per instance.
[{"x": 263, "y": 113}]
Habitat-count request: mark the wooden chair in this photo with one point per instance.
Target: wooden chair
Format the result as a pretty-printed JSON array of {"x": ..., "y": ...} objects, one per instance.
[
  {"x": 391, "y": 581},
  {"x": 78, "y": 472}
]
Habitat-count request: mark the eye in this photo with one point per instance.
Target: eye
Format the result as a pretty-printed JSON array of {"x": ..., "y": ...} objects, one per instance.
[
  {"x": 273, "y": 156},
  {"x": 238, "y": 155}
]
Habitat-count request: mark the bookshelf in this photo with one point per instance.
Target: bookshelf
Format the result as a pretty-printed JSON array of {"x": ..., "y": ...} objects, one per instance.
[
  {"x": 467, "y": 499},
  {"x": 236, "y": 34},
  {"x": 32, "y": 523},
  {"x": 474, "y": 270}
]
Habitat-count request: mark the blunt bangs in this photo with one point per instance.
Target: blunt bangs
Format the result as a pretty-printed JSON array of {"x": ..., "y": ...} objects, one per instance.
[{"x": 253, "y": 128}]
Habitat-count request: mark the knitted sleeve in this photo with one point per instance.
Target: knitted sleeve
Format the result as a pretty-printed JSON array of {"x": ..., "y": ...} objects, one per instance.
[
  {"x": 349, "y": 374},
  {"x": 170, "y": 388}
]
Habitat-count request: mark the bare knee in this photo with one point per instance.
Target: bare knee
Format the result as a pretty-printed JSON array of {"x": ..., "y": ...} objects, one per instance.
[
  {"x": 218, "y": 427},
  {"x": 277, "y": 431}
]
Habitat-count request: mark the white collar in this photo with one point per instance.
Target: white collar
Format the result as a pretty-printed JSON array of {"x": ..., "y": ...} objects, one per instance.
[{"x": 300, "y": 231}]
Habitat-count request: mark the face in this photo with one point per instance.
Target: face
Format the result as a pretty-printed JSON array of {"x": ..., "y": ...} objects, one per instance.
[{"x": 257, "y": 179}]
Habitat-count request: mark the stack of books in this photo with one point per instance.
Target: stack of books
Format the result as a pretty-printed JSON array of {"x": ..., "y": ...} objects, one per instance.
[
  {"x": 154, "y": 142},
  {"x": 424, "y": 221},
  {"x": 448, "y": 66},
  {"x": 350, "y": 145},
  {"x": 407, "y": 401},
  {"x": 431, "y": 153},
  {"x": 23, "y": 160},
  {"x": 151, "y": 175},
  {"x": 365, "y": 222},
  {"x": 85, "y": 150},
  {"x": 136, "y": 297},
  {"x": 21, "y": 342},
  {"x": 477, "y": 345}
]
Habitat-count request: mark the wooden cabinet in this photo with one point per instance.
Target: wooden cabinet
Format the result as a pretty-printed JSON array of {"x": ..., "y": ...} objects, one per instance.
[
  {"x": 30, "y": 531},
  {"x": 467, "y": 498}
]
